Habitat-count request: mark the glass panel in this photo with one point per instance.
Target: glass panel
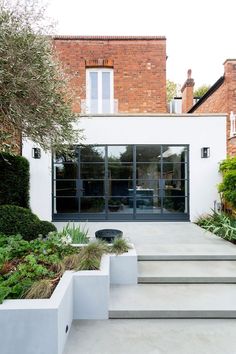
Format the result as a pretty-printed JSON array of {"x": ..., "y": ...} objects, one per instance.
[
  {"x": 92, "y": 205},
  {"x": 174, "y": 154},
  {"x": 120, "y": 205},
  {"x": 90, "y": 171},
  {"x": 93, "y": 99},
  {"x": 120, "y": 153},
  {"x": 150, "y": 188},
  {"x": 93, "y": 188},
  {"x": 71, "y": 156},
  {"x": 106, "y": 93},
  {"x": 66, "y": 205},
  {"x": 65, "y": 188},
  {"x": 148, "y": 171},
  {"x": 92, "y": 153},
  {"x": 174, "y": 171},
  {"x": 175, "y": 205},
  {"x": 120, "y": 188},
  {"x": 120, "y": 171},
  {"x": 66, "y": 171},
  {"x": 175, "y": 188},
  {"x": 148, "y": 205},
  {"x": 148, "y": 153}
]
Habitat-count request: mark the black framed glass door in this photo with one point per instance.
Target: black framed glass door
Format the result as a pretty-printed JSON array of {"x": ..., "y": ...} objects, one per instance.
[{"x": 121, "y": 182}]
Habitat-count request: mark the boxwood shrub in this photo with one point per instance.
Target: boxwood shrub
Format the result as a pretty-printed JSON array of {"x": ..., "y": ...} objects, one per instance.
[
  {"x": 18, "y": 220},
  {"x": 14, "y": 180}
]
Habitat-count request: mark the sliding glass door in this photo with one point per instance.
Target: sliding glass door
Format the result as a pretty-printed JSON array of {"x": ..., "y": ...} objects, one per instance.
[{"x": 121, "y": 182}]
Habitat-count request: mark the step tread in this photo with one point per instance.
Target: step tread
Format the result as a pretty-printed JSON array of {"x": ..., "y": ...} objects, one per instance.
[
  {"x": 173, "y": 297},
  {"x": 215, "y": 270}
]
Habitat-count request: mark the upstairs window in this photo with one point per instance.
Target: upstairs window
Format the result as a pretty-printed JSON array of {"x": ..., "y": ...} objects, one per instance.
[{"x": 99, "y": 91}]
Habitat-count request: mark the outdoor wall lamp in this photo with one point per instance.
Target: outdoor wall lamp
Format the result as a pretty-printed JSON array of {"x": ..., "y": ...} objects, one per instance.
[
  {"x": 36, "y": 153},
  {"x": 205, "y": 152}
]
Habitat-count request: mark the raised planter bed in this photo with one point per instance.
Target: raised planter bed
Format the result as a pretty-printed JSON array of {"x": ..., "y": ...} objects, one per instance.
[{"x": 42, "y": 326}]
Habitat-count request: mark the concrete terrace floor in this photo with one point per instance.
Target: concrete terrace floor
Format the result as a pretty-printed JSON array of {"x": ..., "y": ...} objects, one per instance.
[{"x": 158, "y": 336}]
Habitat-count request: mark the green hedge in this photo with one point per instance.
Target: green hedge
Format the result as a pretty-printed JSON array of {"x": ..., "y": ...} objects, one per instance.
[
  {"x": 18, "y": 220},
  {"x": 228, "y": 185},
  {"x": 14, "y": 180}
]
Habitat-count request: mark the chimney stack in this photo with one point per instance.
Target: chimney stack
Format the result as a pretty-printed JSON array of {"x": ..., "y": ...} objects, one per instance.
[{"x": 187, "y": 93}]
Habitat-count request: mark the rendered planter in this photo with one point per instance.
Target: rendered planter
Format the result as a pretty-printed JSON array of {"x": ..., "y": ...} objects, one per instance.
[{"x": 42, "y": 326}]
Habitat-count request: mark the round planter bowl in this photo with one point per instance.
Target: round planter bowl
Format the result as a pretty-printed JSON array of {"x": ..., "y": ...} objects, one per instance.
[{"x": 108, "y": 235}]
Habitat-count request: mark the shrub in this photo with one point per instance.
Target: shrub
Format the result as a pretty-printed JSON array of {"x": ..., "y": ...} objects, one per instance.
[
  {"x": 18, "y": 220},
  {"x": 119, "y": 246},
  {"x": 14, "y": 180},
  {"x": 228, "y": 185},
  {"x": 43, "y": 228}
]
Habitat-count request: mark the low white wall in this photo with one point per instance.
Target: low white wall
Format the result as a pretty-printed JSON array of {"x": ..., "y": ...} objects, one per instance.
[
  {"x": 124, "y": 268},
  {"x": 196, "y": 130},
  {"x": 91, "y": 292}
]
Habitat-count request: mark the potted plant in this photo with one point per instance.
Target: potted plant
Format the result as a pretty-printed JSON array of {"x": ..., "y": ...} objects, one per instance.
[{"x": 114, "y": 205}]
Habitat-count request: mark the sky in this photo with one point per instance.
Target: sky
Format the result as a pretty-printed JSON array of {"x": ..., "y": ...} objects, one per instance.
[{"x": 200, "y": 34}]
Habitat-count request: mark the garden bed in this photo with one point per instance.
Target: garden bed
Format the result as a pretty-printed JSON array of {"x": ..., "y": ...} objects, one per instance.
[{"x": 42, "y": 325}]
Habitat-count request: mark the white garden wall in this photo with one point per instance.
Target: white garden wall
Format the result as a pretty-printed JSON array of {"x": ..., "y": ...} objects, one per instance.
[{"x": 196, "y": 130}]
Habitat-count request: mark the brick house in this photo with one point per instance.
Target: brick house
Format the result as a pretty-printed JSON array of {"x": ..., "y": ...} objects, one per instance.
[
  {"x": 221, "y": 97},
  {"x": 137, "y": 162}
]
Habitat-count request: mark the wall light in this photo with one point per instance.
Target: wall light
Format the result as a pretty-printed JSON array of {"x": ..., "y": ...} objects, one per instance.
[
  {"x": 36, "y": 153},
  {"x": 205, "y": 152}
]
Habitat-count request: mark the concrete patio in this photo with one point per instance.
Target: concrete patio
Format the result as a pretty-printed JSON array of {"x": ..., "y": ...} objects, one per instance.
[{"x": 186, "y": 277}]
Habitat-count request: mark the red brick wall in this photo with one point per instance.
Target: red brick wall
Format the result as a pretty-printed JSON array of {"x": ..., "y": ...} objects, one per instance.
[
  {"x": 139, "y": 70},
  {"x": 223, "y": 100}
]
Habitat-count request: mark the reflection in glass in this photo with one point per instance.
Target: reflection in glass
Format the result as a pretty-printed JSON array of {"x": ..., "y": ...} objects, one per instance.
[
  {"x": 66, "y": 205},
  {"x": 145, "y": 187},
  {"x": 147, "y": 204},
  {"x": 120, "y": 153},
  {"x": 174, "y": 154},
  {"x": 92, "y": 188},
  {"x": 66, "y": 171},
  {"x": 174, "y": 171},
  {"x": 70, "y": 156},
  {"x": 174, "y": 204},
  {"x": 92, "y": 171},
  {"x": 148, "y": 171},
  {"x": 175, "y": 188},
  {"x": 120, "y": 171},
  {"x": 91, "y": 153},
  {"x": 92, "y": 205},
  {"x": 120, "y": 205},
  {"x": 148, "y": 153},
  {"x": 65, "y": 188},
  {"x": 120, "y": 187}
]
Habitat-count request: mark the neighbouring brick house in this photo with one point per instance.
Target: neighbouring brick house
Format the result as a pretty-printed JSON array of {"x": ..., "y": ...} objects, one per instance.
[
  {"x": 137, "y": 162},
  {"x": 221, "y": 98}
]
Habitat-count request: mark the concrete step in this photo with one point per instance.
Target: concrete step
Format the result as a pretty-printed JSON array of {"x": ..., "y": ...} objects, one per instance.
[
  {"x": 173, "y": 301},
  {"x": 191, "y": 251},
  {"x": 187, "y": 272}
]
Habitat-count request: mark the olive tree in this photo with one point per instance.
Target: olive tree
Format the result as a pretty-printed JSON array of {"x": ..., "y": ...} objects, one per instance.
[{"x": 35, "y": 99}]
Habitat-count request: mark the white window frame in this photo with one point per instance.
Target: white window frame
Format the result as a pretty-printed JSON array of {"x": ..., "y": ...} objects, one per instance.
[{"x": 99, "y": 71}]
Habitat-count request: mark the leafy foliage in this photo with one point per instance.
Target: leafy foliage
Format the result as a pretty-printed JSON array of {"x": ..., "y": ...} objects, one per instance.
[
  {"x": 14, "y": 180},
  {"x": 77, "y": 234},
  {"x": 171, "y": 90},
  {"x": 18, "y": 220},
  {"x": 34, "y": 91},
  {"x": 220, "y": 224},
  {"x": 201, "y": 90},
  {"x": 228, "y": 185}
]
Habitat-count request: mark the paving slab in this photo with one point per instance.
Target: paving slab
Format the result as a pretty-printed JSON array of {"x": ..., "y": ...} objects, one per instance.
[
  {"x": 152, "y": 336},
  {"x": 173, "y": 301},
  {"x": 187, "y": 272}
]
